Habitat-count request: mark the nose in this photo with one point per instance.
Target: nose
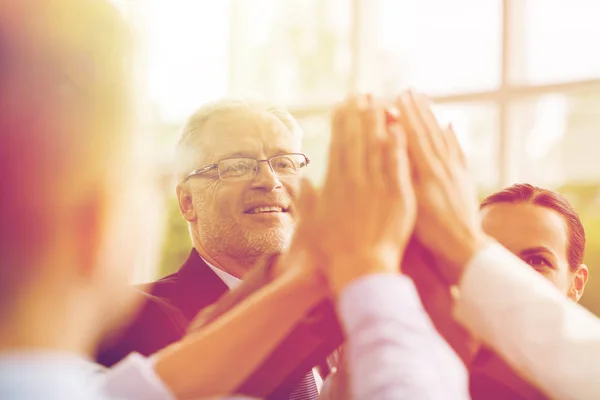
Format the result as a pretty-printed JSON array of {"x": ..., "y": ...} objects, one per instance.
[{"x": 265, "y": 177}]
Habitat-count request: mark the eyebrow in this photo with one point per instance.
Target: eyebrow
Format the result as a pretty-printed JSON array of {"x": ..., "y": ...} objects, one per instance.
[{"x": 233, "y": 155}]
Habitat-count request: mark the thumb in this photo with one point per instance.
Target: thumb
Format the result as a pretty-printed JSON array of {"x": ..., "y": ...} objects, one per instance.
[{"x": 307, "y": 202}]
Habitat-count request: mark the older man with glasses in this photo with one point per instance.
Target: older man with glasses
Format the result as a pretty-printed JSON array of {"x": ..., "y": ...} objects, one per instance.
[{"x": 238, "y": 166}]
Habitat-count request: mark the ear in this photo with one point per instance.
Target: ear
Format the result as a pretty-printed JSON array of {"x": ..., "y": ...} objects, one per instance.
[
  {"x": 579, "y": 279},
  {"x": 186, "y": 205}
]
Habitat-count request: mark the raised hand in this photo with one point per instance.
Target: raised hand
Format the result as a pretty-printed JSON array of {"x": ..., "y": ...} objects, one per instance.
[
  {"x": 366, "y": 212},
  {"x": 448, "y": 222}
]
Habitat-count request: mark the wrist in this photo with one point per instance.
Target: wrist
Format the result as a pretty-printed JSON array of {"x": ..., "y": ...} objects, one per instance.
[
  {"x": 464, "y": 250},
  {"x": 303, "y": 276},
  {"x": 345, "y": 270}
]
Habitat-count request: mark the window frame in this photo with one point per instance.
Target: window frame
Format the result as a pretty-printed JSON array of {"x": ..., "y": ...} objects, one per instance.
[{"x": 502, "y": 96}]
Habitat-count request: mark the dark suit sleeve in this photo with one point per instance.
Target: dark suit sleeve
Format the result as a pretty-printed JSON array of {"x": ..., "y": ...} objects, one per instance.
[
  {"x": 156, "y": 325},
  {"x": 492, "y": 379},
  {"x": 256, "y": 279}
]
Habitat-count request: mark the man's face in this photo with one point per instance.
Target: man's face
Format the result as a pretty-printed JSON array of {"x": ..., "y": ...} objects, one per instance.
[
  {"x": 538, "y": 235},
  {"x": 231, "y": 217}
]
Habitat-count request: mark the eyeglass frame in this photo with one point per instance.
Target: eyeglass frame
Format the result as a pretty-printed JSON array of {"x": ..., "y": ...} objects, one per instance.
[{"x": 211, "y": 167}]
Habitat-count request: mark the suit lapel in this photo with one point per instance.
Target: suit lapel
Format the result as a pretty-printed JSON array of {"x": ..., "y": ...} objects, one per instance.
[{"x": 197, "y": 286}]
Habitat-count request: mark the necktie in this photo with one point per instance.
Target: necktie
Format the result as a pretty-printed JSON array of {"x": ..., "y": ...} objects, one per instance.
[{"x": 306, "y": 389}]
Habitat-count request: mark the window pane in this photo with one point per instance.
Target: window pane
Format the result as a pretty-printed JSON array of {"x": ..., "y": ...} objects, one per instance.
[
  {"x": 315, "y": 144},
  {"x": 295, "y": 52},
  {"x": 556, "y": 139},
  {"x": 555, "y": 40},
  {"x": 438, "y": 46},
  {"x": 475, "y": 126},
  {"x": 184, "y": 52}
]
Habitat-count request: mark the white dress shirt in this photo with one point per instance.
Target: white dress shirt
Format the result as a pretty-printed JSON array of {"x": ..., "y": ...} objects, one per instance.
[
  {"x": 394, "y": 351},
  {"x": 232, "y": 282},
  {"x": 229, "y": 280},
  {"x": 552, "y": 341}
]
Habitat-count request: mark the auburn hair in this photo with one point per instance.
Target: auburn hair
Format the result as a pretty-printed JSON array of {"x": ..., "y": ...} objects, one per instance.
[{"x": 526, "y": 193}]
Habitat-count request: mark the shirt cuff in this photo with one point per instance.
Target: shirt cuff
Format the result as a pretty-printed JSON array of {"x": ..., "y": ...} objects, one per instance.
[
  {"x": 135, "y": 378},
  {"x": 376, "y": 296}
]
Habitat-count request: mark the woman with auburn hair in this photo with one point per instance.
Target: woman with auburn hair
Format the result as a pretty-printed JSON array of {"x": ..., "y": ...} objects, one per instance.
[
  {"x": 540, "y": 227},
  {"x": 543, "y": 229}
]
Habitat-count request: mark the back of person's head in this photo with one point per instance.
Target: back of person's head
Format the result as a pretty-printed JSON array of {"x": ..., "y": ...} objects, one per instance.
[
  {"x": 526, "y": 193},
  {"x": 66, "y": 112}
]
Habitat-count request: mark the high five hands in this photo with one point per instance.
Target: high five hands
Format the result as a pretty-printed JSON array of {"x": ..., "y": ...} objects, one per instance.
[
  {"x": 448, "y": 222},
  {"x": 367, "y": 209},
  {"x": 391, "y": 174},
  {"x": 394, "y": 177}
]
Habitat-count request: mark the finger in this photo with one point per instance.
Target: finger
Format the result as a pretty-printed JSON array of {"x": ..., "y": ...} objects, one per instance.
[
  {"x": 336, "y": 162},
  {"x": 431, "y": 127},
  {"x": 403, "y": 170},
  {"x": 375, "y": 132},
  {"x": 436, "y": 135},
  {"x": 394, "y": 149},
  {"x": 392, "y": 114},
  {"x": 354, "y": 140},
  {"x": 418, "y": 145},
  {"x": 454, "y": 146}
]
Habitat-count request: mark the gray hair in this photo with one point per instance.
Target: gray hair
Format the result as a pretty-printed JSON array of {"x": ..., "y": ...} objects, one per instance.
[{"x": 188, "y": 146}]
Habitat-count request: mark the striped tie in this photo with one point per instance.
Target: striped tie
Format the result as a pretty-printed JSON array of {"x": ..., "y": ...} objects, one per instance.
[{"x": 306, "y": 389}]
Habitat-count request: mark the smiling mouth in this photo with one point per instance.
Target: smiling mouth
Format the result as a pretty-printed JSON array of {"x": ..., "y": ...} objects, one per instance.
[{"x": 265, "y": 210}]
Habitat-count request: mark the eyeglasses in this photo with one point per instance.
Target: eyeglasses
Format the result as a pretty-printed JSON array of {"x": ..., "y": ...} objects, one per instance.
[{"x": 244, "y": 169}]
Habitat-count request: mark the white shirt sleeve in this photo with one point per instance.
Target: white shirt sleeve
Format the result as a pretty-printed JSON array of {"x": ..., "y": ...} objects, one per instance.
[
  {"x": 393, "y": 349},
  {"x": 552, "y": 341},
  {"x": 134, "y": 378}
]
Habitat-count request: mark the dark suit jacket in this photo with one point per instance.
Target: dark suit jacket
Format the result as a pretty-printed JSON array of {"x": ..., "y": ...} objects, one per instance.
[
  {"x": 492, "y": 379},
  {"x": 172, "y": 302}
]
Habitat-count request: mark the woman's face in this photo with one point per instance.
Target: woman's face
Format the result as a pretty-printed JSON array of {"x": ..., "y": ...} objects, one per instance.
[{"x": 539, "y": 236}]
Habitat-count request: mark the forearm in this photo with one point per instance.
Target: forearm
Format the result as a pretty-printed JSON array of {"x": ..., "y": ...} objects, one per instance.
[
  {"x": 394, "y": 351},
  {"x": 550, "y": 340},
  {"x": 216, "y": 360}
]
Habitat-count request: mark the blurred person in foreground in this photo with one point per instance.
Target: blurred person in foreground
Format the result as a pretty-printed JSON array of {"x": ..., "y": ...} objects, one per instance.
[
  {"x": 70, "y": 220},
  {"x": 545, "y": 336},
  {"x": 239, "y": 165},
  {"x": 68, "y": 208}
]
